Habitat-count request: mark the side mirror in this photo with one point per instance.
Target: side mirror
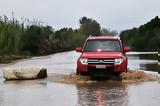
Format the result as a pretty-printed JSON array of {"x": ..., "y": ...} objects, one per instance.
[
  {"x": 127, "y": 49},
  {"x": 78, "y": 49}
]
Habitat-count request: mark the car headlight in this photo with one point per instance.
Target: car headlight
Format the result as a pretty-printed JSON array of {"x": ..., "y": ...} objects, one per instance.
[
  {"x": 118, "y": 60},
  {"x": 83, "y": 60}
]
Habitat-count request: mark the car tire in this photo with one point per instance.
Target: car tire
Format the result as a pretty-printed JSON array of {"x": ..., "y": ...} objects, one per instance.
[
  {"x": 117, "y": 76},
  {"x": 126, "y": 69}
]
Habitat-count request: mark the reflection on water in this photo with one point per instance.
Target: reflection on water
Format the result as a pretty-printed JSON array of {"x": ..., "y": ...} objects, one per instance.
[
  {"x": 37, "y": 93},
  {"x": 144, "y": 94},
  {"x": 147, "y": 62},
  {"x": 118, "y": 94},
  {"x": 102, "y": 94}
]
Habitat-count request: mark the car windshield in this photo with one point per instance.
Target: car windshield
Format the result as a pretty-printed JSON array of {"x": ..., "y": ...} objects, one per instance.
[{"x": 102, "y": 45}]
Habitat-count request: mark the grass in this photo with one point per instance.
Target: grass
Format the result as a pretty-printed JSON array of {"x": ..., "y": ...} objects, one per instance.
[{"x": 10, "y": 58}]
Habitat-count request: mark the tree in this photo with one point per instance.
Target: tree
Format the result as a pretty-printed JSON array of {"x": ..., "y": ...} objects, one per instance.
[
  {"x": 114, "y": 33},
  {"x": 89, "y": 27},
  {"x": 31, "y": 39},
  {"x": 107, "y": 32},
  {"x": 144, "y": 38}
]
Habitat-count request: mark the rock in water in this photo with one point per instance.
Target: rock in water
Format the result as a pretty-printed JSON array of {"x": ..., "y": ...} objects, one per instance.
[{"x": 24, "y": 73}]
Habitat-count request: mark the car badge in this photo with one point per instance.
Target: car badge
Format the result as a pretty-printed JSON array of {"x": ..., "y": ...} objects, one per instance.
[{"x": 100, "y": 61}]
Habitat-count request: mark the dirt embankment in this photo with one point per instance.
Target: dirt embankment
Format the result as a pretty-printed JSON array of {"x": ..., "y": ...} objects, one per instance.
[{"x": 129, "y": 77}]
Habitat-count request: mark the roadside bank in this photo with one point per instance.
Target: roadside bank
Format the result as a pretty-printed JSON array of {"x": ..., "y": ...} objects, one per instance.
[{"x": 10, "y": 58}]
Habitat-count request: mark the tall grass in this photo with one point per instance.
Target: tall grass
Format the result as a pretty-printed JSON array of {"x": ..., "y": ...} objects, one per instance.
[{"x": 33, "y": 37}]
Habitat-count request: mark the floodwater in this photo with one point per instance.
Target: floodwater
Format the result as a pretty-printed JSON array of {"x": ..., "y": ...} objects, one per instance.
[
  {"x": 100, "y": 93},
  {"x": 148, "y": 62}
]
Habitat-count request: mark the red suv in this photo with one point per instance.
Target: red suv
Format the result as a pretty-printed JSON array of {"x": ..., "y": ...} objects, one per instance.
[{"x": 101, "y": 55}]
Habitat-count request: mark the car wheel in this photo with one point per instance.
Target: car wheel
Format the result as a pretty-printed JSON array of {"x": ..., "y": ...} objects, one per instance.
[
  {"x": 126, "y": 69},
  {"x": 117, "y": 76}
]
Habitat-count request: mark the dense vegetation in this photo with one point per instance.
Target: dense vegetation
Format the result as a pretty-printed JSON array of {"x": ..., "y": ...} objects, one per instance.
[
  {"x": 35, "y": 39},
  {"x": 144, "y": 38},
  {"x": 89, "y": 26}
]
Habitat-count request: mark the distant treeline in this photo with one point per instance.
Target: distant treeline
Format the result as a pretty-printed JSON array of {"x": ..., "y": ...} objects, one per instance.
[
  {"x": 33, "y": 38},
  {"x": 144, "y": 38}
]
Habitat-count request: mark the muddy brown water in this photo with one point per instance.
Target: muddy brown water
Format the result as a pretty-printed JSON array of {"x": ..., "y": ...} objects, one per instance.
[{"x": 53, "y": 92}]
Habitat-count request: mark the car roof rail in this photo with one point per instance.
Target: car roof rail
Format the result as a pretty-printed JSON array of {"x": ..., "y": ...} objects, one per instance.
[{"x": 90, "y": 36}]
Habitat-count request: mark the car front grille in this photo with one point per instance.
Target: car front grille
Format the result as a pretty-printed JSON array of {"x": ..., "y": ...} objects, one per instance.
[
  {"x": 95, "y": 71},
  {"x": 100, "y": 61},
  {"x": 92, "y": 70}
]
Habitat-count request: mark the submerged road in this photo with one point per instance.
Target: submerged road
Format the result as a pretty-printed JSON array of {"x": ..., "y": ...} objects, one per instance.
[{"x": 47, "y": 93}]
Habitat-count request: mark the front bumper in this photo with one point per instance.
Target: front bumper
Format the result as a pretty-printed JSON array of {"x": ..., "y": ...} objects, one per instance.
[{"x": 91, "y": 69}]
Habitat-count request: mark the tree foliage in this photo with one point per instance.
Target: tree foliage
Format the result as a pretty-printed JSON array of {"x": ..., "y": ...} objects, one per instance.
[
  {"x": 36, "y": 38},
  {"x": 108, "y": 32},
  {"x": 144, "y": 38},
  {"x": 89, "y": 27}
]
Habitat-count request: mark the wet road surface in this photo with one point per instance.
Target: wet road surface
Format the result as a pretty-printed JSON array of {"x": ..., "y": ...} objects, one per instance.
[{"x": 48, "y": 93}]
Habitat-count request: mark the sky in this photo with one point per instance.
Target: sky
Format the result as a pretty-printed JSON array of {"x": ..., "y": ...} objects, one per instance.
[{"x": 113, "y": 14}]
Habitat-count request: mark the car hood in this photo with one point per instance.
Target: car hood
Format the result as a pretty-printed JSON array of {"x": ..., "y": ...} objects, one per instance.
[{"x": 101, "y": 54}]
